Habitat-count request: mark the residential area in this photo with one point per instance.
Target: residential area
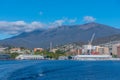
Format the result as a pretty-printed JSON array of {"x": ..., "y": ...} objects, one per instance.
[{"x": 63, "y": 52}]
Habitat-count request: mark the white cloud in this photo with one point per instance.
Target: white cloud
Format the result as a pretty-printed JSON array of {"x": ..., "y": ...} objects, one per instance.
[
  {"x": 61, "y": 22},
  {"x": 57, "y": 23},
  {"x": 34, "y": 25},
  {"x": 89, "y": 19},
  {"x": 19, "y": 27}
]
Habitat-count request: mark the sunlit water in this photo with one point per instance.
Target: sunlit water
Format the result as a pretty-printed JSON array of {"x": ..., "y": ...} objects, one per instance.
[{"x": 59, "y": 70}]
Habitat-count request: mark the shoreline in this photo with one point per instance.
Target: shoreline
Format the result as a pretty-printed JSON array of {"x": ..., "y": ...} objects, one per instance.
[{"x": 112, "y": 59}]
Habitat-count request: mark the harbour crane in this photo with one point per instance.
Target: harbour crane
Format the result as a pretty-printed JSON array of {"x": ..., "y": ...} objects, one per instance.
[{"x": 90, "y": 42}]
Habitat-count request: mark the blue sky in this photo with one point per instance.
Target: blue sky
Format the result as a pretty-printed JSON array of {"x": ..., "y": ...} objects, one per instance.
[{"x": 17, "y": 16}]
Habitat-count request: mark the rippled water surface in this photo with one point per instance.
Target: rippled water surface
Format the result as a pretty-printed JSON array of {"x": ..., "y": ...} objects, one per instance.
[{"x": 59, "y": 70}]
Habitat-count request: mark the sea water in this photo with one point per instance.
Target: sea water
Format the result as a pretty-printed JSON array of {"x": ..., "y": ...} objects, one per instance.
[{"x": 59, "y": 70}]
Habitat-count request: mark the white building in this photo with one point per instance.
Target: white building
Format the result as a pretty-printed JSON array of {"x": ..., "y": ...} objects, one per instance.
[
  {"x": 2, "y": 49},
  {"x": 31, "y": 57},
  {"x": 87, "y": 49},
  {"x": 62, "y": 58},
  {"x": 92, "y": 57}
]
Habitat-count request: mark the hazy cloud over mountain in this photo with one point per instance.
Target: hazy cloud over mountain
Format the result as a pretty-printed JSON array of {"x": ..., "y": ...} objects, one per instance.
[
  {"x": 17, "y": 27},
  {"x": 89, "y": 19},
  {"x": 62, "y": 21}
]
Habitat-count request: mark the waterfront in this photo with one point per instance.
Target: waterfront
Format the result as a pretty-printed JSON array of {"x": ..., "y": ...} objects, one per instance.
[{"x": 59, "y": 70}]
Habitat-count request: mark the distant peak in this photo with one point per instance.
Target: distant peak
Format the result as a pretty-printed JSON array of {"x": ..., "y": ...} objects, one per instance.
[{"x": 90, "y": 25}]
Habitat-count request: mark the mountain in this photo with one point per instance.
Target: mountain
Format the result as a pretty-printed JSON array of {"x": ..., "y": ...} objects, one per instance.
[
  {"x": 103, "y": 40},
  {"x": 29, "y": 34},
  {"x": 61, "y": 35}
]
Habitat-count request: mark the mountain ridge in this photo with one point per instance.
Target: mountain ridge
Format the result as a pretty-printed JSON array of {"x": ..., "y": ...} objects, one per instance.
[{"x": 61, "y": 35}]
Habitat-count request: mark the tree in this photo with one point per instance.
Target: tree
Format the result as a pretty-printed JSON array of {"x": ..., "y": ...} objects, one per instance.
[
  {"x": 114, "y": 56},
  {"x": 59, "y": 52},
  {"x": 13, "y": 55}
]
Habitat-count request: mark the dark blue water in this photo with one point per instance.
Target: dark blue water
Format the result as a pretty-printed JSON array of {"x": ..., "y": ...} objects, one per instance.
[{"x": 59, "y": 70}]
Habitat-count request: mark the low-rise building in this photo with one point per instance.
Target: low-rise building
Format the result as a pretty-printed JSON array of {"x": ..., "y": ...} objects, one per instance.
[
  {"x": 53, "y": 50},
  {"x": 74, "y": 52},
  {"x": 94, "y": 50},
  {"x": 102, "y": 50},
  {"x": 38, "y": 49},
  {"x": 2, "y": 49},
  {"x": 87, "y": 49},
  {"x": 20, "y": 51},
  {"x": 116, "y": 49},
  {"x": 15, "y": 50}
]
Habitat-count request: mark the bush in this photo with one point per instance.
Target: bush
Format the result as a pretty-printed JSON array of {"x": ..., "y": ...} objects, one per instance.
[
  {"x": 13, "y": 55},
  {"x": 114, "y": 56}
]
